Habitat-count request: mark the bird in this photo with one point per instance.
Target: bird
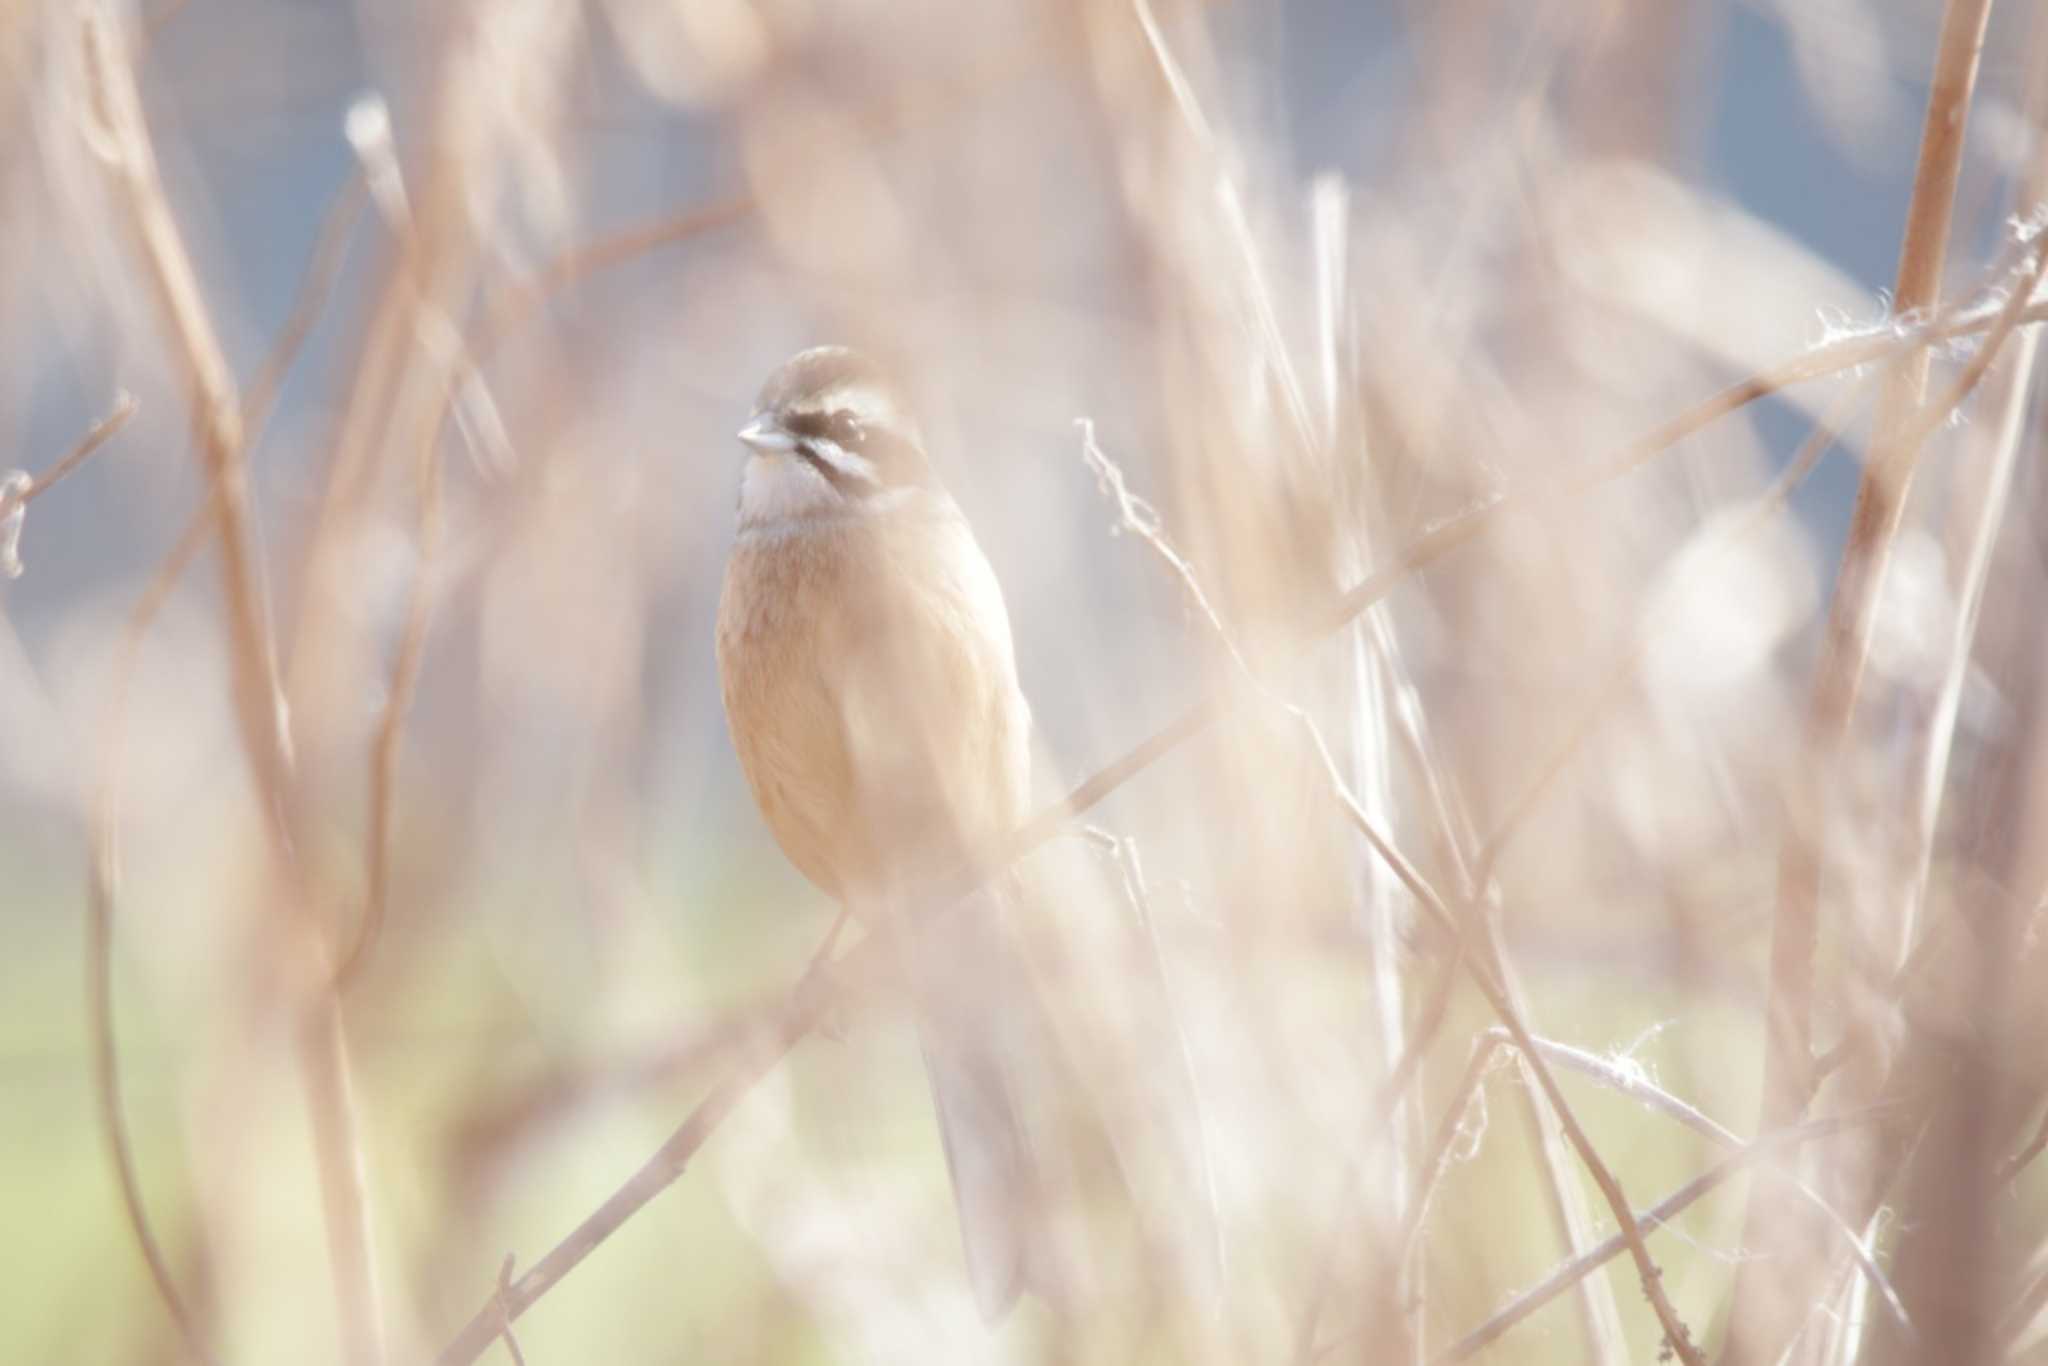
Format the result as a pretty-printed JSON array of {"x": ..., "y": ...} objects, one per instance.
[{"x": 870, "y": 686}]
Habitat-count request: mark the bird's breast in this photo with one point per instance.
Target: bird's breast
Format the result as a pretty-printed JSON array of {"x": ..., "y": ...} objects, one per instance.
[{"x": 872, "y": 696}]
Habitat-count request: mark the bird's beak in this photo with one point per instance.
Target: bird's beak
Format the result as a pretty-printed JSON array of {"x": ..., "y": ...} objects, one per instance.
[{"x": 764, "y": 436}]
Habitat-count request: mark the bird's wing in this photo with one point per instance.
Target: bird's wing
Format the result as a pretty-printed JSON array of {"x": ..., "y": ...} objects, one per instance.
[
  {"x": 935, "y": 729},
  {"x": 936, "y": 735}
]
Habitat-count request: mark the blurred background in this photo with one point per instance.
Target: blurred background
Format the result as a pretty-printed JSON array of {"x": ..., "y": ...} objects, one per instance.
[{"x": 493, "y": 284}]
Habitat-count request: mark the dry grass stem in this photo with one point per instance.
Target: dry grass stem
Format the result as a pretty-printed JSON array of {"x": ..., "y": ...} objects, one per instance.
[
  {"x": 103, "y": 891},
  {"x": 1765, "y": 1316},
  {"x": 101, "y": 432},
  {"x": 1137, "y": 517},
  {"x": 1771, "y": 1147},
  {"x": 219, "y": 435}
]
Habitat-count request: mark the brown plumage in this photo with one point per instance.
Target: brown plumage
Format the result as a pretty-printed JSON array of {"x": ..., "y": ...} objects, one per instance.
[
  {"x": 870, "y": 685},
  {"x": 872, "y": 694}
]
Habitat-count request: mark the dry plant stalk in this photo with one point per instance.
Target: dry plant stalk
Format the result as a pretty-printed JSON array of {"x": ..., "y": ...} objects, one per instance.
[
  {"x": 1764, "y": 1315},
  {"x": 219, "y": 432},
  {"x": 18, "y": 488},
  {"x": 1880, "y": 504}
]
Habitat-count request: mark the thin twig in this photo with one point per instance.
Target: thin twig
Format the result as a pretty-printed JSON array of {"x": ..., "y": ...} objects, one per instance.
[
  {"x": 1443, "y": 1144},
  {"x": 578, "y": 263},
  {"x": 309, "y": 302},
  {"x": 1676, "y": 1334},
  {"x": 215, "y": 408},
  {"x": 18, "y": 489},
  {"x": 1583, "y": 1264},
  {"x": 103, "y": 893},
  {"x": 1387, "y": 712},
  {"x": 1374, "y": 641},
  {"x": 1657, "y": 1215},
  {"x": 1632, "y": 1082},
  {"x": 672, "y": 1063},
  {"x": 655, "y": 1175},
  {"x": 1378, "y": 1114},
  {"x": 457, "y": 364},
  {"x": 95, "y": 437},
  {"x": 405, "y": 677},
  {"x": 505, "y": 1329}
]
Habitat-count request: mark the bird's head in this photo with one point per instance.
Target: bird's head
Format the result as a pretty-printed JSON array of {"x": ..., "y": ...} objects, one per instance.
[{"x": 830, "y": 435}]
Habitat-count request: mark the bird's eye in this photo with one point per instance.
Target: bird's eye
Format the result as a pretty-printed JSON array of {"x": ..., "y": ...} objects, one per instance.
[{"x": 844, "y": 428}]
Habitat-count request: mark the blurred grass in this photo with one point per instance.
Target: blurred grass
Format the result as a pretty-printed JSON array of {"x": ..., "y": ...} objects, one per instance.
[
  {"x": 424, "y": 1055},
  {"x": 1325, "y": 275}
]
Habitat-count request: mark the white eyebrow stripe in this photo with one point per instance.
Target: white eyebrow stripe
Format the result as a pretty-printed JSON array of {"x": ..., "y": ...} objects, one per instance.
[{"x": 849, "y": 463}]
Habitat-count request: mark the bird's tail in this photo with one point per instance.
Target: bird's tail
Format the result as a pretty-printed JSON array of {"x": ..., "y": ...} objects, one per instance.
[
  {"x": 969, "y": 993},
  {"x": 988, "y": 1160}
]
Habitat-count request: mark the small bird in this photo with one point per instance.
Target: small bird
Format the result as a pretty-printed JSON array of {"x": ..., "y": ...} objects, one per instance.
[{"x": 870, "y": 684}]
